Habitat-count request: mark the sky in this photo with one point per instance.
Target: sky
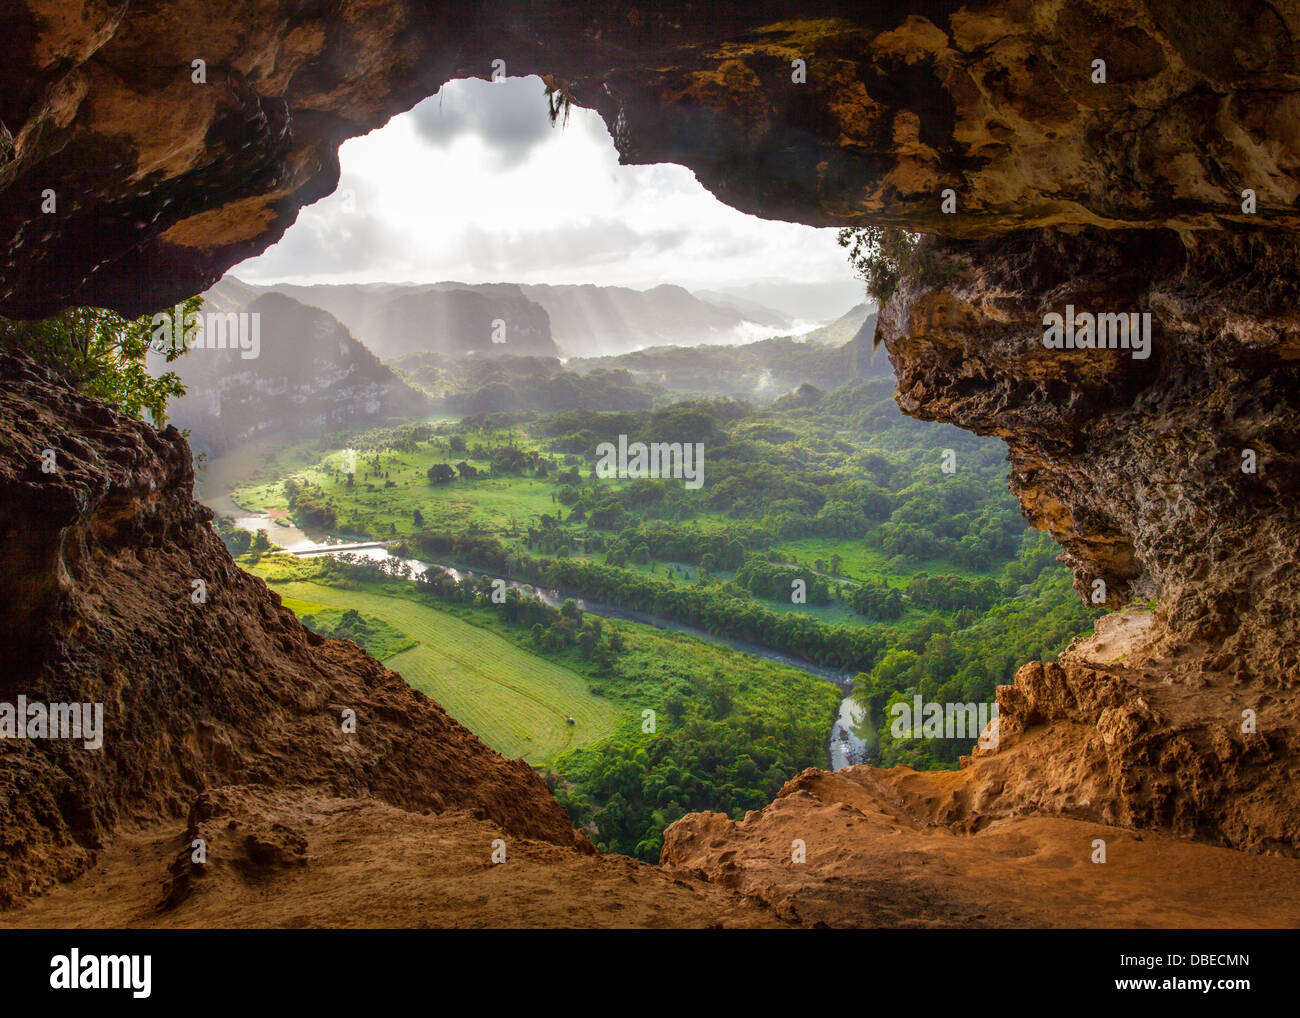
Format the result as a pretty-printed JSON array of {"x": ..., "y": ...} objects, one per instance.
[{"x": 474, "y": 184}]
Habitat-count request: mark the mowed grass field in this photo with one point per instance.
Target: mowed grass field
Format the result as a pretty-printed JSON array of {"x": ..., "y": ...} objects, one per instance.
[
  {"x": 514, "y": 701},
  {"x": 863, "y": 562},
  {"x": 499, "y": 504},
  {"x": 502, "y": 504}
]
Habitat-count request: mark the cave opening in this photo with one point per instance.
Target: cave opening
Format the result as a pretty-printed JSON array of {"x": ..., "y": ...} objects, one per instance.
[{"x": 580, "y": 323}]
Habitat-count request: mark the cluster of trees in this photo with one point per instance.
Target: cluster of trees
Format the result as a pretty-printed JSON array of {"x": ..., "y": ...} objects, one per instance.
[
  {"x": 777, "y": 582},
  {"x": 309, "y": 505},
  {"x": 948, "y": 660},
  {"x": 877, "y": 601},
  {"x": 236, "y": 539},
  {"x": 501, "y": 460},
  {"x": 103, "y": 355},
  {"x": 727, "y": 738},
  {"x": 953, "y": 593},
  {"x": 399, "y": 437},
  {"x": 713, "y": 758},
  {"x": 441, "y": 473},
  {"x": 470, "y": 547},
  {"x": 713, "y": 608},
  {"x": 510, "y": 459},
  {"x": 925, "y": 529},
  {"x": 708, "y": 546},
  {"x": 377, "y": 637}
]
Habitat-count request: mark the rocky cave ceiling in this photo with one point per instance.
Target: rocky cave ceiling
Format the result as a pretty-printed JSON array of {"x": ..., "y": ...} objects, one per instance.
[{"x": 162, "y": 184}]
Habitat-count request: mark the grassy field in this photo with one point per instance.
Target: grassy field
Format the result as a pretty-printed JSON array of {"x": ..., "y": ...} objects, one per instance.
[
  {"x": 514, "y": 701},
  {"x": 380, "y": 639},
  {"x": 865, "y": 563},
  {"x": 383, "y": 504}
]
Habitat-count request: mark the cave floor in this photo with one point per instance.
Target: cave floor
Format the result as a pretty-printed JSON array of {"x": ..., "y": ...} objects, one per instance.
[{"x": 363, "y": 863}]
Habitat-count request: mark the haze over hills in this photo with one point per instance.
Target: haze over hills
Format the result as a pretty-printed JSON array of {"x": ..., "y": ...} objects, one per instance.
[
  {"x": 396, "y": 319},
  {"x": 592, "y": 320},
  {"x": 796, "y": 301},
  {"x": 752, "y": 310},
  {"x": 761, "y": 371},
  {"x": 312, "y": 371},
  {"x": 758, "y": 372},
  {"x": 309, "y": 373},
  {"x": 845, "y": 328}
]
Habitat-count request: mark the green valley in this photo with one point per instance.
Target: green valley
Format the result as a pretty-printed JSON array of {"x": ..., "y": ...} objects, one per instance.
[{"x": 828, "y": 528}]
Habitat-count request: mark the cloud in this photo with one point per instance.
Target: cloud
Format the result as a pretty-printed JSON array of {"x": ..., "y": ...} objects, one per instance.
[
  {"x": 509, "y": 116},
  {"x": 523, "y": 256},
  {"x": 474, "y": 184}
]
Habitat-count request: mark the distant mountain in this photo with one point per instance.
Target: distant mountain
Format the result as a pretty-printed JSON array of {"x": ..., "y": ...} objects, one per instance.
[
  {"x": 804, "y": 396},
  {"x": 844, "y": 328},
  {"x": 478, "y": 385},
  {"x": 760, "y": 372},
  {"x": 808, "y": 302},
  {"x": 751, "y": 309},
  {"x": 398, "y": 319},
  {"x": 592, "y": 320},
  {"x": 309, "y": 374}
]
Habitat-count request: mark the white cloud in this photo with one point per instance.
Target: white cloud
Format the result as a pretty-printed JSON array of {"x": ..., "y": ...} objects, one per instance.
[{"x": 474, "y": 184}]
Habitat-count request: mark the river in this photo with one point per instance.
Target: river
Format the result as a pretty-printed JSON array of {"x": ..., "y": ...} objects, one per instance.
[{"x": 843, "y": 746}]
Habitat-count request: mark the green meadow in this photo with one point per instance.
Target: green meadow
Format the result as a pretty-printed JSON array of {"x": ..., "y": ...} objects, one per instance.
[{"x": 514, "y": 701}]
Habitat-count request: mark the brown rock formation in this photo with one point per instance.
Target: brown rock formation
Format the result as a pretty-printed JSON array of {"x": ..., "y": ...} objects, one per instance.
[
  {"x": 293, "y": 857},
  {"x": 870, "y": 861},
  {"x": 1134, "y": 465}
]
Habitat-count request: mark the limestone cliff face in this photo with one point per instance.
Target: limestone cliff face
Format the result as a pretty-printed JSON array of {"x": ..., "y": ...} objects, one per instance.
[{"x": 1171, "y": 475}]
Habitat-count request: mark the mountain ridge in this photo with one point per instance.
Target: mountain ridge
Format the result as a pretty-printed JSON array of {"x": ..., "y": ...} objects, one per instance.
[
  {"x": 578, "y": 319},
  {"x": 309, "y": 373}
]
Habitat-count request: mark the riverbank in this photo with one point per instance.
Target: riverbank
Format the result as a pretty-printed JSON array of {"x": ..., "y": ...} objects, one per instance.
[{"x": 843, "y": 746}]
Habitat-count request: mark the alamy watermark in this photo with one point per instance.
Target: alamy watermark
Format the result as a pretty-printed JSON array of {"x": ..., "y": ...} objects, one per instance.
[
  {"x": 24, "y": 720},
  {"x": 920, "y": 720},
  {"x": 208, "y": 330},
  {"x": 680, "y": 460},
  {"x": 75, "y": 971},
  {"x": 1104, "y": 331}
]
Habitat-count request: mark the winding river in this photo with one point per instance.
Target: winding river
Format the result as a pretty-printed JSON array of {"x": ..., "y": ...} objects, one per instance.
[{"x": 843, "y": 746}]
